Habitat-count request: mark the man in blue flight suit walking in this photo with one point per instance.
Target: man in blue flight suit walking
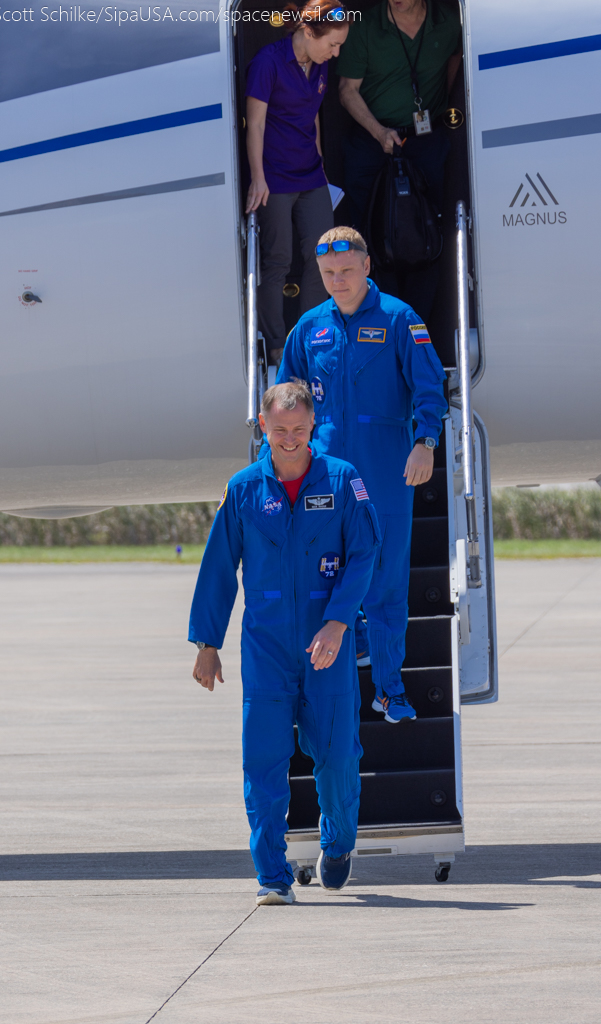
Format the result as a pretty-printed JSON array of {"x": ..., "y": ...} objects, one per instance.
[
  {"x": 307, "y": 535},
  {"x": 372, "y": 370}
]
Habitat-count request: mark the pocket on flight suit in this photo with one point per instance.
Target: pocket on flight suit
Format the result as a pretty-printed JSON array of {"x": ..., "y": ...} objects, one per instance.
[{"x": 262, "y": 561}]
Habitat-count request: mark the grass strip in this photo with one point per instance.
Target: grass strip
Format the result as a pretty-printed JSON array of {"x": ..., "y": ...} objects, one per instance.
[
  {"x": 192, "y": 553},
  {"x": 166, "y": 553},
  {"x": 548, "y": 548}
]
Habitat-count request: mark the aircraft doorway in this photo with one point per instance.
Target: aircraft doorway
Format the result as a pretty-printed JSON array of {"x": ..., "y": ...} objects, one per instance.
[{"x": 336, "y": 124}]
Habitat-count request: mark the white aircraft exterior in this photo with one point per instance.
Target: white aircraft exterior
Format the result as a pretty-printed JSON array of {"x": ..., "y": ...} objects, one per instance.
[
  {"x": 124, "y": 375},
  {"x": 120, "y": 211}
]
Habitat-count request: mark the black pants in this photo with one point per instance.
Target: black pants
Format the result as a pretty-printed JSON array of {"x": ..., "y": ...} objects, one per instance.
[
  {"x": 364, "y": 158},
  {"x": 311, "y": 213}
]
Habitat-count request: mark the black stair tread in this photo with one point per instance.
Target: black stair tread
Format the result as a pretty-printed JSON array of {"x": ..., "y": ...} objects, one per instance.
[
  {"x": 430, "y": 541},
  {"x": 409, "y": 746},
  {"x": 386, "y": 798},
  {"x": 429, "y": 591},
  {"x": 430, "y": 499},
  {"x": 428, "y": 643},
  {"x": 430, "y": 693}
]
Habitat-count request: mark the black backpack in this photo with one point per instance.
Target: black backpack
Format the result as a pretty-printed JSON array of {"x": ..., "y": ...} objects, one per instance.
[{"x": 403, "y": 226}]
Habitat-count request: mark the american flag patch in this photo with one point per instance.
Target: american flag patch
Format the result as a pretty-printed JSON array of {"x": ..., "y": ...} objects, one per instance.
[
  {"x": 420, "y": 334},
  {"x": 359, "y": 489}
]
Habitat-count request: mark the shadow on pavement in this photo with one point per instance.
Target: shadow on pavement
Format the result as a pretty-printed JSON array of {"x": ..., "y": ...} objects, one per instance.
[
  {"x": 152, "y": 864},
  {"x": 519, "y": 864},
  {"x": 527, "y": 864},
  {"x": 401, "y": 903}
]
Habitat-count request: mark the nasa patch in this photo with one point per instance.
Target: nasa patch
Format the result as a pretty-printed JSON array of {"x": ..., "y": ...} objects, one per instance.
[
  {"x": 318, "y": 502},
  {"x": 420, "y": 334},
  {"x": 317, "y": 390},
  {"x": 273, "y": 506},
  {"x": 322, "y": 335},
  {"x": 372, "y": 334},
  {"x": 223, "y": 497},
  {"x": 329, "y": 564}
]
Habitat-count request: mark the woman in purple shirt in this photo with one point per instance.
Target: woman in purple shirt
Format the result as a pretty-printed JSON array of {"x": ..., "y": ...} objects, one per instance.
[{"x": 286, "y": 83}]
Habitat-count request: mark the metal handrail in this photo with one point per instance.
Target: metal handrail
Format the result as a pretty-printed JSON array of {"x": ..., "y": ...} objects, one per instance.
[
  {"x": 465, "y": 387},
  {"x": 252, "y": 250}
]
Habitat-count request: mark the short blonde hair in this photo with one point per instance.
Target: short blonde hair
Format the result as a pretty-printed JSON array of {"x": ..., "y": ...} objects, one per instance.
[
  {"x": 343, "y": 234},
  {"x": 287, "y": 396}
]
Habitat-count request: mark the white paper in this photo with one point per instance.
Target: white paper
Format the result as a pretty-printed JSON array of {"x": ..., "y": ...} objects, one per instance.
[{"x": 336, "y": 194}]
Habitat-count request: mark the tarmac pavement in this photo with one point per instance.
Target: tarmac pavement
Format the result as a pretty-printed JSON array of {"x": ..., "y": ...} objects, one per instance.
[{"x": 127, "y": 891}]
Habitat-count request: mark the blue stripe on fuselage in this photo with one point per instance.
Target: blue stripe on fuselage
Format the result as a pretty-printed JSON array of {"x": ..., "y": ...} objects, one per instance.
[
  {"x": 544, "y": 51},
  {"x": 115, "y": 131}
]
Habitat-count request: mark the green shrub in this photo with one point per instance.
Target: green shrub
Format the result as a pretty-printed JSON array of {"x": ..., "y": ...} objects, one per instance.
[
  {"x": 187, "y": 523},
  {"x": 517, "y": 514},
  {"x": 546, "y": 515}
]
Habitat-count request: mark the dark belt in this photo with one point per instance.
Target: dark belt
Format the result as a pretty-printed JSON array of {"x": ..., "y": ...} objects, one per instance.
[{"x": 405, "y": 132}]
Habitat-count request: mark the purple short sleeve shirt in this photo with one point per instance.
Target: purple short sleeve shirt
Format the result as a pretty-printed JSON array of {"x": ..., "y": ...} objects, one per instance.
[{"x": 290, "y": 158}]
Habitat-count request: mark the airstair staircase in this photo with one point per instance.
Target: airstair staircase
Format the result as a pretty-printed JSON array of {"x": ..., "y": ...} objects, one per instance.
[{"x": 411, "y": 781}]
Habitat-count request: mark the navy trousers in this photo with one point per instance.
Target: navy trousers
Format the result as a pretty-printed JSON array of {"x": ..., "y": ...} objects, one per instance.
[
  {"x": 364, "y": 158},
  {"x": 325, "y": 706}
]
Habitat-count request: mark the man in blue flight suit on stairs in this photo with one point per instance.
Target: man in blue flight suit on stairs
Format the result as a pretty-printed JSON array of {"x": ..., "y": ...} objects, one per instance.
[
  {"x": 372, "y": 370},
  {"x": 307, "y": 535}
]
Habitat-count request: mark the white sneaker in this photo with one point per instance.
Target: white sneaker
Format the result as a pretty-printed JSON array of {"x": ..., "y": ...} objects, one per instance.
[{"x": 271, "y": 895}]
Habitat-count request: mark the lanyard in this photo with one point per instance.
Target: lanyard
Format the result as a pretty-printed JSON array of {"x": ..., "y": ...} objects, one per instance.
[{"x": 412, "y": 67}]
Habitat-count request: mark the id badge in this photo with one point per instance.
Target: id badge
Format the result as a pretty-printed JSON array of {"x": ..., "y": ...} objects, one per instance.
[{"x": 421, "y": 120}]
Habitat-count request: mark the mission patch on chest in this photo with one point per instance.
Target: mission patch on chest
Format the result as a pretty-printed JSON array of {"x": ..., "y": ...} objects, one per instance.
[
  {"x": 318, "y": 502},
  {"x": 372, "y": 334}
]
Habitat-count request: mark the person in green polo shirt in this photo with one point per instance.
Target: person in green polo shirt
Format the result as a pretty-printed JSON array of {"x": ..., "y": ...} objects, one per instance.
[{"x": 400, "y": 59}]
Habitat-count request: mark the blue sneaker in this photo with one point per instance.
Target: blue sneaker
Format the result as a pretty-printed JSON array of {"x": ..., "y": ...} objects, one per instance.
[
  {"x": 395, "y": 708},
  {"x": 333, "y": 872},
  {"x": 278, "y": 892}
]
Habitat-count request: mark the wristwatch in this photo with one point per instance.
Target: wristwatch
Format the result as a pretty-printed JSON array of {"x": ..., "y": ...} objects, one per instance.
[
  {"x": 202, "y": 646},
  {"x": 428, "y": 442}
]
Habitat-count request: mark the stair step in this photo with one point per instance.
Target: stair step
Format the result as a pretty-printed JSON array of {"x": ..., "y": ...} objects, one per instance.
[
  {"x": 428, "y": 643},
  {"x": 430, "y": 541},
  {"x": 387, "y": 798},
  {"x": 429, "y": 591},
  {"x": 409, "y": 746},
  {"x": 430, "y": 693},
  {"x": 431, "y": 499}
]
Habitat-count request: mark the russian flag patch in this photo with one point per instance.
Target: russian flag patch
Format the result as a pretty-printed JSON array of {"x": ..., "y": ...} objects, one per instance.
[
  {"x": 420, "y": 334},
  {"x": 359, "y": 489}
]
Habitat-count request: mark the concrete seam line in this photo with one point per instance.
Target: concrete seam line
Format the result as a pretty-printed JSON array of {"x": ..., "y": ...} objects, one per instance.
[
  {"x": 546, "y": 612},
  {"x": 203, "y": 962}
]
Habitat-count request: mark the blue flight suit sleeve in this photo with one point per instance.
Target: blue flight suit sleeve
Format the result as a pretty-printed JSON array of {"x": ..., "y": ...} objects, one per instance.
[
  {"x": 294, "y": 364},
  {"x": 423, "y": 372},
  {"x": 361, "y": 535},
  {"x": 217, "y": 583},
  {"x": 294, "y": 361}
]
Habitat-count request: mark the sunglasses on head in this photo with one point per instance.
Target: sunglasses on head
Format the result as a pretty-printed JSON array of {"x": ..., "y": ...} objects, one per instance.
[{"x": 340, "y": 245}]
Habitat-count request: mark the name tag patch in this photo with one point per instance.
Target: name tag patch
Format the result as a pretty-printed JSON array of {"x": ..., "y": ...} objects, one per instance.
[
  {"x": 317, "y": 390},
  {"x": 318, "y": 502},
  {"x": 359, "y": 489},
  {"x": 329, "y": 564},
  {"x": 322, "y": 335},
  {"x": 420, "y": 334},
  {"x": 272, "y": 506},
  {"x": 372, "y": 334}
]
